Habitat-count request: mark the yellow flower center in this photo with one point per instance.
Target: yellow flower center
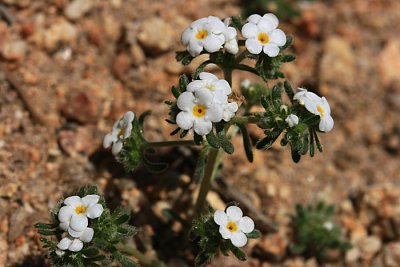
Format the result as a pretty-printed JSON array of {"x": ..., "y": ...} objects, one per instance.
[
  {"x": 201, "y": 34},
  {"x": 80, "y": 209},
  {"x": 199, "y": 111},
  {"x": 210, "y": 87},
  {"x": 321, "y": 110},
  {"x": 263, "y": 38},
  {"x": 231, "y": 226},
  {"x": 121, "y": 133}
]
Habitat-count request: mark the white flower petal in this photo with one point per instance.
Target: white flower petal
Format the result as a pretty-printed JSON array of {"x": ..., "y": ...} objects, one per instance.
[
  {"x": 116, "y": 148},
  {"x": 90, "y": 200},
  {"x": 225, "y": 233},
  {"x": 214, "y": 113},
  {"x": 246, "y": 224},
  {"x": 272, "y": 50},
  {"x": 253, "y": 46},
  {"x": 109, "y": 139},
  {"x": 194, "y": 85},
  {"x": 278, "y": 37},
  {"x": 76, "y": 245},
  {"x": 272, "y": 19},
  {"x": 249, "y": 30},
  {"x": 326, "y": 124},
  {"x": 234, "y": 213},
  {"x": 215, "y": 25},
  {"x": 128, "y": 117},
  {"x": 60, "y": 253},
  {"x": 128, "y": 130},
  {"x": 254, "y": 18},
  {"x": 185, "y": 120},
  {"x": 65, "y": 213},
  {"x": 87, "y": 235},
  {"x": 212, "y": 44},
  {"x": 232, "y": 47},
  {"x": 73, "y": 233},
  {"x": 229, "y": 111},
  {"x": 223, "y": 86},
  {"x": 220, "y": 218},
  {"x": 64, "y": 243},
  {"x": 73, "y": 201},
  {"x": 64, "y": 225},
  {"x": 187, "y": 34},
  {"x": 208, "y": 76},
  {"x": 265, "y": 26},
  {"x": 185, "y": 101},
  {"x": 325, "y": 105},
  {"x": 292, "y": 120},
  {"x": 199, "y": 24},
  {"x": 94, "y": 211},
  {"x": 195, "y": 47},
  {"x": 230, "y": 33},
  {"x": 238, "y": 239},
  {"x": 79, "y": 222},
  {"x": 205, "y": 96},
  {"x": 202, "y": 127}
]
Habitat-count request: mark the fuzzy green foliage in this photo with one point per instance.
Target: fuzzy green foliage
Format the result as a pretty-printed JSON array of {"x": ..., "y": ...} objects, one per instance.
[
  {"x": 110, "y": 229},
  {"x": 315, "y": 231},
  {"x": 282, "y": 8},
  {"x": 206, "y": 232},
  {"x": 302, "y": 138},
  {"x": 133, "y": 153}
]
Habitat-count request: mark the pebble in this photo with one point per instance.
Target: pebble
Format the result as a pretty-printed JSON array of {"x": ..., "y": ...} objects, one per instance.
[
  {"x": 3, "y": 251},
  {"x": 391, "y": 254},
  {"x": 369, "y": 246},
  {"x": 14, "y": 50},
  {"x": 389, "y": 62},
  {"x": 60, "y": 31},
  {"x": 137, "y": 55},
  {"x": 77, "y": 9},
  {"x": 87, "y": 105},
  {"x": 156, "y": 36}
]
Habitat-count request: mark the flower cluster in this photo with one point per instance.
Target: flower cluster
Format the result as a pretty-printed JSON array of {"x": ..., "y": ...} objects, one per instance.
[
  {"x": 205, "y": 102},
  {"x": 211, "y": 34},
  {"x": 74, "y": 219},
  {"x": 121, "y": 130}
]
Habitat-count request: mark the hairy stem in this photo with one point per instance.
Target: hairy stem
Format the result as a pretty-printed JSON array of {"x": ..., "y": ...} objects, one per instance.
[
  {"x": 209, "y": 173},
  {"x": 143, "y": 259}
]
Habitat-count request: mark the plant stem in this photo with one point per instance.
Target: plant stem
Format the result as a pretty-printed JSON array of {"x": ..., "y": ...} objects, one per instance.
[
  {"x": 209, "y": 173},
  {"x": 228, "y": 75},
  {"x": 171, "y": 143},
  {"x": 143, "y": 259}
]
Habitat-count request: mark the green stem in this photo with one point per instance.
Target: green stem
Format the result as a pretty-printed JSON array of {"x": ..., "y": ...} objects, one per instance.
[
  {"x": 171, "y": 143},
  {"x": 143, "y": 259},
  {"x": 228, "y": 75},
  {"x": 241, "y": 56},
  {"x": 243, "y": 120},
  {"x": 209, "y": 173}
]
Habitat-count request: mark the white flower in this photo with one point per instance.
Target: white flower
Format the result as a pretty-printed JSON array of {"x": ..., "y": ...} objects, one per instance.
[
  {"x": 121, "y": 130},
  {"x": 229, "y": 111},
  {"x": 328, "y": 225},
  {"x": 75, "y": 244},
  {"x": 262, "y": 35},
  {"x": 60, "y": 252},
  {"x": 231, "y": 43},
  {"x": 246, "y": 83},
  {"x": 233, "y": 226},
  {"x": 212, "y": 88},
  {"x": 74, "y": 215},
  {"x": 205, "y": 33},
  {"x": 318, "y": 106},
  {"x": 292, "y": 120},
  {"x": 198, "y": 111}
]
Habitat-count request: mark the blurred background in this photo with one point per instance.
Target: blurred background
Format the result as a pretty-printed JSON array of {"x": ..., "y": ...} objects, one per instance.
[{"x": 70, "y": 68}]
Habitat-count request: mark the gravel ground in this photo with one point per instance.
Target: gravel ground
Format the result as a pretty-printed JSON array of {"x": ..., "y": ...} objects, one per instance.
[{"x": 68, "y": 69}]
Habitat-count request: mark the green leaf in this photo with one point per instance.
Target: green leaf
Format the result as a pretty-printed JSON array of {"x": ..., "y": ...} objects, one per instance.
[
  {"x": 90, "y": 252},
  {"x": 127, "y": 230},
  {"x": 312, "y": 145},
  {"x": 288, "y": 58},
  {"x": 154, "y": 167},
  {"x": 248, "y": 148},
  {"x": 183, "y": 133},
  {"x": 49, "y": 232},
  {"x": 213, "y": 140},
  {"x": 237, "y": 22},
  {"x": 319, "y": 146},
  {"x": 125, "y": 261},
  {"x": 184, "y": 57},
  {"x": 121, "y": 215},
  {"x": 175, "y": 92},
  {"x": 225, "y": 143},
  {"x": 44, "y": 226},
  {"x": 200, "y": 165},
  {"x": 289, "y": 90},
  {"x": 289, "y": 41},
  {"x": 276, "y": 93},
  {"x": 295, "y": 155},
  {"x": 297, "y": 249},
  {"x": 183, "y": 82},
  {"x": 200, "y": 69},
  {"x": 268, "y": 141},
  {"x": 254, "y": 234},
  {"x": 174, "y": 132},
  {"x": 201, "y": 259},
  {"x": 239, "y": 254}
]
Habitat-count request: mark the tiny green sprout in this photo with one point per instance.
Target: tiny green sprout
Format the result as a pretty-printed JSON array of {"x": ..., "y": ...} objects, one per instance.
[
  {"x": 84, "y": 232},
  {"x": 316, "y": 232},
  {"x": 223, "y": 231}
]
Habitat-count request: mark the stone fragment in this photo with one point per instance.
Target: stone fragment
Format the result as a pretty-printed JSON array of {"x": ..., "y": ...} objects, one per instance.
[
  {"x": 14, "y": 50},
  {"x": 77, "y": 9},
  {"x": 156, "y": 36}
]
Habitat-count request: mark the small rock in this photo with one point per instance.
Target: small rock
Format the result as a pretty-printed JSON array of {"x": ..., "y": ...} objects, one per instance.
[
  {"x": 215, "y": 201},
  {"x": 76, "y": 142},
  {"x": 60, "y": 31},
  {"x": 3, "y": 251},
  {"x": 14, "y": 50},
  {"x": 137, "y": 55},
  {"x": 352, "y": 255},
  {"x": 19, "y": 221},
  {"x": 156, "y": 36},
  {"x": 82, "y": 107},
  {"x": 272, "y": 247},
  {"x": 391, "y": 254},
  {"x": 369, "y": 246},
  {"x": 77, "y": 9},
  {"x": 389, "y": 62},
  {"x": 121, "y": 65}
]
